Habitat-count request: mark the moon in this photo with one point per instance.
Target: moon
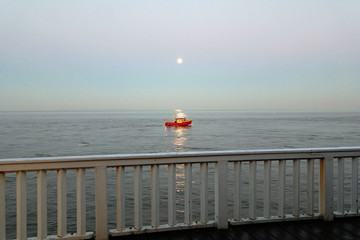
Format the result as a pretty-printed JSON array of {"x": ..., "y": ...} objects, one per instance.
[{"x": 179, "y": 60}]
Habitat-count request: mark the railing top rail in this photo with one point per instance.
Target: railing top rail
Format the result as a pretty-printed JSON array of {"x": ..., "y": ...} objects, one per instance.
[{"x": 177, "y": 157}]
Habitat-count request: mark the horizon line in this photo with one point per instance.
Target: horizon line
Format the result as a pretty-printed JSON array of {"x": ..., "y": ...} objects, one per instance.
[{"x": 197, "y": 109}]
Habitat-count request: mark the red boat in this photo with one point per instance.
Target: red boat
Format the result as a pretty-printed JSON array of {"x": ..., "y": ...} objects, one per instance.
[{"x": 179, "y": 120}]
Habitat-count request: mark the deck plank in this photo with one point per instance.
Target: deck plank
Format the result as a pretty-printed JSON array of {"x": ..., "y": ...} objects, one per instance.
[
  {"x": 354, "y": 221},
  {"x": 158, "y": 236},
  {"x": 198, "y": 234},
  {"x": 258, "y": 231},
  {"x": 179, "y": 235},
  {"x": 342, "y": 228},
  {"x": 337, "y": 228},
  {"x": 131, "y": 237},
  {"x": 313, "y": 227},
  {"x": 296, "y": 231},
  {"x": 219, "y": 234},
  {"x": 278, "y": 232},
  {"x": 240, "y": 233},
  {"x": 350, "y": 227}
]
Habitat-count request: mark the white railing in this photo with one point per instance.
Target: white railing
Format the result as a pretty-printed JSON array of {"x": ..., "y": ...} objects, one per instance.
[{"x": 236, "y": 186}]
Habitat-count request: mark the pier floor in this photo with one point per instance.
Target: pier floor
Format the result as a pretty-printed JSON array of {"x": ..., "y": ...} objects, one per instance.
[{"x": 341, "y": 228}]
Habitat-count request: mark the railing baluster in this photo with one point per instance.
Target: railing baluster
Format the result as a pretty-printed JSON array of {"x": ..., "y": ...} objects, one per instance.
[
  {"x": 120, "y": 198},
  {"x": 188, "y": 194},
  {"x": 252, "y": 186},
  {"x": 62, "y": 206},
  {"x": 21, "y": 215},
  {"x": 138, "y": 198},
  {"x": 155, "y": 201},
  {"x": 237, "y": 187},
  {"x": 282, "y": 176},
  {"x": 172, "y": 195},
  {"x": 267, "y": 188},
  {"x": 42, "y": 204},
  {"x": 296, "y": 187},
  {"x": 204, "y": 193},
  {"x": 101, "y": 202},
  {"x": 310, "y": 187},
  {"x": 80, "y": 201},
  {"x": 326, "y": 188},
  {"x": 2, "y": 207},
  {"x": 354, "y": 185},
  {"x": 221, "y": 193},
  {"x": 340, "y": 200}
]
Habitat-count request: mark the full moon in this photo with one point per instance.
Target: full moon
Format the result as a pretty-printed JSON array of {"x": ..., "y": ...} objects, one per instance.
[{"x": 179, "y": 60}]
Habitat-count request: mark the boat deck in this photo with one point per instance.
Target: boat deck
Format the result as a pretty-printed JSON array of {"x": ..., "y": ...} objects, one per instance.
[{"x": 342, "y": 228}]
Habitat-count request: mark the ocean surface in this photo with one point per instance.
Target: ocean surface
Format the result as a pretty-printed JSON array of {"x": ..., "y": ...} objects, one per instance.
[
  {"x": 47, "y": 134},
  {"x": 39, "y": 134}
]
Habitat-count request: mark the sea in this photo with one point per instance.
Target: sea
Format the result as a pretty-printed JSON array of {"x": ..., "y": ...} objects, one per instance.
[{"x": 51, "y": 134}]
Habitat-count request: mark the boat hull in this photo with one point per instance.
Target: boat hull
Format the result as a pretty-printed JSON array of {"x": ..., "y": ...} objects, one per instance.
[{"x": 186, "y": 123}]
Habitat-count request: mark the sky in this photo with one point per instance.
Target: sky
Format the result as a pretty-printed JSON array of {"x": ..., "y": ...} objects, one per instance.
[{"x": 120, "y": 54}]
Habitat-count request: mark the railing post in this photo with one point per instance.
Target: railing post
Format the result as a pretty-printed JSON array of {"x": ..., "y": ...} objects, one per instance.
[
  {"x": 326, "y": 188},
  {"x": 296, "y": 187},
  {"x": 138, "y": 197},
  {"x": 120, "y": 198},
  {"x": 2, "y": 207},
  {"x": 310, "y": 188},
  {"x": 42, "y": 204},
  {"x": 237, "y": 190},
  {"x": 172, "y": 194},
  {"x": 188, "y": 194},
  {"x": 155, "y": 200},
  {"x": 80, "y": 201},
  {"x": 21, "y": 205},
  {"x": 267, "y": 190},
  {"x": 101, "y": 203},
  {"x": 340, "y": 192},
  {"x": 354, "y": 185},
  {"x": 221, "y": 192},
  {"x": 282, "y": 189},
  {"x": 62, "y": 204},
  {"x": 204, "y": 193},
  {"x": 252, "y": 190}
]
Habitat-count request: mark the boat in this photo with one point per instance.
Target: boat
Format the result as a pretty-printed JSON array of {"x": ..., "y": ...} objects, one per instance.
[{"x": 179, "y": 120}]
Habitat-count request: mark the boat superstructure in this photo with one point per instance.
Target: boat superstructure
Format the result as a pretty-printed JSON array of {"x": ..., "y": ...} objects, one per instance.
[{"x": 179, "y": 119}]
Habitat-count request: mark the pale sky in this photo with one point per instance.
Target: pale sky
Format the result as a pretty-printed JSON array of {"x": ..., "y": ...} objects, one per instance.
[{"x": 112, "y": 55}]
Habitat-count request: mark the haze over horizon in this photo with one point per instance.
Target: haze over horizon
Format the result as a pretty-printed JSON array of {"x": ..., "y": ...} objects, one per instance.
[{"x": 114, "y": 55}]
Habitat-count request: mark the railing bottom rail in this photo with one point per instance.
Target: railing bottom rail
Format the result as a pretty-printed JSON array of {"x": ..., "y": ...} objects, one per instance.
[
  {"x": 88, "y": 235},
  {"x": 161, "y": 228}
]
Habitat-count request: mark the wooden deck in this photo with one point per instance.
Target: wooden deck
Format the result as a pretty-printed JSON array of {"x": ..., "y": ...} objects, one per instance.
[{"x": 342, "y": 228}]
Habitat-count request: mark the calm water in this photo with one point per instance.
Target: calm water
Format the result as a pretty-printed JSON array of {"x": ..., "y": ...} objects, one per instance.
[
  {"x": 41, "y": 134},
  {"x": 33, "y": 134}
]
